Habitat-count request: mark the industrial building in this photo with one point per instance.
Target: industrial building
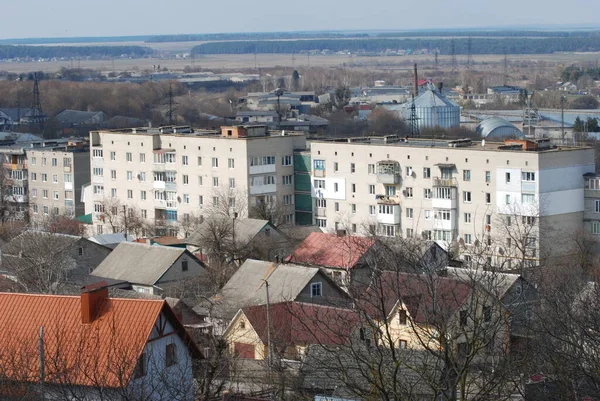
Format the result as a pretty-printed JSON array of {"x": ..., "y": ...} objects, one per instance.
[
  {"x": 172, "y": 173},
  {"x": 452, "y": 192},
  {"x": 495, "y": 128}
]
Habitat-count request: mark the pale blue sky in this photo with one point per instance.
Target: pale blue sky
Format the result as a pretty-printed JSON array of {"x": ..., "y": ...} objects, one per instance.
[{"x": 52, "y": 18}]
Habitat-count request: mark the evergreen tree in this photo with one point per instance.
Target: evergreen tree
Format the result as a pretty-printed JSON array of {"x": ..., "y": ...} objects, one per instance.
[{"x": 578, "y": 127}]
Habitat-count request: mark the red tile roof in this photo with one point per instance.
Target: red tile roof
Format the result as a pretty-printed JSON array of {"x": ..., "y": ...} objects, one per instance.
[
  {"x": 330, "y": 250},
  {"x": 101, "y": 353},
  {"x": 429, "y": 299},
  {"x": 302, "y": 323}
]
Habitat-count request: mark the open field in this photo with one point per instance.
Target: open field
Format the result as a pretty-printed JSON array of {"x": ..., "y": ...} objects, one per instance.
[{"x": 247, "y": 61}]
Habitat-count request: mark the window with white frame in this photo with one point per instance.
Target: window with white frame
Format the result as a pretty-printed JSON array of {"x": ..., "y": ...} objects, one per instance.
[
  {"x": 98, "y": 171},
  {"x": 468, "y": 239},
  {"x": 186, "y": 198},
  {"x": 113, "y": 174},
  {"x": 185, "y": 160},
  {"x": 597, "y": 206},
  {"x": 288, "y": 199},
  {"x": 170, "y": 158},
  {"x": 467, "y": 196},
  {"x": 427, "y": 214},
  {"x": 129, "y": 157},
  {"x": 527, "y": 198},
  {"x": 442, "y": 235},
  {"x": 286, "y": 160},
  {"x": 68, "y": 177},
  {"x": 409, "y": 212},
  {"x": 426, "y": 172},
  {"x": 408, "y": 170},
  {"x": 466, "y": 175},
  {"x": 143, "y": 195},
  {"x": 142, "y": 158},
  {"x": 352, "y": 168},
  {"x": 97, "y": 153},
  {"x": 215, "y": 181},
  {"x": 55, "y": 195},
  {"x": 507, "y": 199},
  {"x": 408, "y": 191},
  {"x": 129, "y": 175},
  {"x": 387, "y": 230},
  {"x": 319, "y": 184},
  {"x": 54, "y": 162},
  {"x": 427, "y": 193},
  {"x": 321, "y": 223},
  {"x": 230, "y": 163},
  {"x": 527, "y": 176},
  {"x": 321, "y": 203},
  {"x": 353, "y": 208},
  {"x": 316, "y": 290},
  {"x": 287, "y": 180},
  {"x": 215, "y": 162},
  {"x": 232, "y": 183},
  {"x": 372, "y": 189},
  {"x": 386, "y": 209},
  {"x": 467, "y": 217},
  {"x": 442, "y": 215},
  {"x": 595, "y": 227},
  {"x": 372, "y": 210},
  {"x": 371, "y": 169},
  {"x": 129, "y": 194}
]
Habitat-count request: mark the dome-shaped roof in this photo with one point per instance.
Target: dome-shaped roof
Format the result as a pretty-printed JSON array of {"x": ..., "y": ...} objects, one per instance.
[{"x": 498, "y": 127}]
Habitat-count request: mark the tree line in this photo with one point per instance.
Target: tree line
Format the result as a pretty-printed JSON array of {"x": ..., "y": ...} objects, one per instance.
[
  {"x": 10, "y": 51},
  {"x": 444, "y": 46}
]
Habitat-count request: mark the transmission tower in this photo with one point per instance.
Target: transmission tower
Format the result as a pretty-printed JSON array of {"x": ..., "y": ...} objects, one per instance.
[
  {"x": 172, "y": 105},
  {"x": 453, "y": 62},
  {"x": 414, "y": 119},
  {"x": 436, "y": 61},
  {"x": 505, "y": 68},
  {"x": 470, "y": 61},
  {"x": 36, "y": 114}
]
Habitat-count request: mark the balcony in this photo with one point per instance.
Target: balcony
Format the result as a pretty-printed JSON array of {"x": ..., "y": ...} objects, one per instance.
[
  {"x": 69, "y": 186},
  {"x": 262, "y": 189},
  {"x": 444, "y": 182},
  {"x": 388, "y": 172},
  {"x": 265, "y": 168},
  {"x": 171, "y": 204},
  {"x": 445, "y": 225},
  {"x": 171, "y": 186},
  {"x": 159, "y": 185},
  {"x": 66, "y": 169},
  {"x": 15, "y": 166},
  {"x": 389, "y": 214},
  {"x": 528, "y": 186},
  {"x": 159, "y": 167},
  {"x": 388, "y": 200},
  {"x": 321, "y": 212},
  {"x": 442, "y": 203},
  {"x": 97, "y": 162},
  {"x": 98, "y": 179},
  {"x": 160, "y": 204}
]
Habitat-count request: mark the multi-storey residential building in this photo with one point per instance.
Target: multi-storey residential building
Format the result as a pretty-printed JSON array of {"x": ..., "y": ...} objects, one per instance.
[
  {"x": 56, "y": 176},
  {"x": 172, "y": 173},
  {"x": 44, "y": 177},
  {"x": 518, "y": 200}
]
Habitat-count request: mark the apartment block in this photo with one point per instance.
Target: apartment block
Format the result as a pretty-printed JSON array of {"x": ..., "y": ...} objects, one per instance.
[
  {"x": 518, "y": 199},
  {"x": 44, "y": 177},
  {"x": 172, "y": 173}
]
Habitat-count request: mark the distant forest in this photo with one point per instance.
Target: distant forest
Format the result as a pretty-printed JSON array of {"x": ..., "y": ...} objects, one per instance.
[
  {"x": 478, "y": 45},
  {"x": 9, "y": 51}
]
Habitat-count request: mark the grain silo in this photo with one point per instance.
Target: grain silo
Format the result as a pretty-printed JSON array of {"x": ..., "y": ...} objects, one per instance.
[{"x": 433, "y": 110}]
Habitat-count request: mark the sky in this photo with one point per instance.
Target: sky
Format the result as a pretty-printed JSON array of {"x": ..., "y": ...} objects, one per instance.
[{"x": 69, "y": 18}]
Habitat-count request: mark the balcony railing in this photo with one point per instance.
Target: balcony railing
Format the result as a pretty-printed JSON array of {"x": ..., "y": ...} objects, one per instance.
[
  {"x": 393, "y": 200},
  {"x": 444, "y": 182}
]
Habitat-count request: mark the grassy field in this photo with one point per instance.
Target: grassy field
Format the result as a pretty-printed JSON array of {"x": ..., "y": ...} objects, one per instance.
[{"x": 247, "y": 62}]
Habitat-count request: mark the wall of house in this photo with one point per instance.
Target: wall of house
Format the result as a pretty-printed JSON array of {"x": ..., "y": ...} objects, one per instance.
[
  {"x": 332, "y": 294},
  {"x": 176, "y": 273},
  {"x": 242, "y": 332},
  {"x": 414, "y": 334}
]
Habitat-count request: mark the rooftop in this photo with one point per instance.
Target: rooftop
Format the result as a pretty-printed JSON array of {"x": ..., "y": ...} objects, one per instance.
[
  {"x": 395, "y": 140},
  {"x": 330, "y": 250}
]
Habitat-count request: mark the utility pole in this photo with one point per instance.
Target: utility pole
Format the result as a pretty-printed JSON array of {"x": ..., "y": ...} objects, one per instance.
[
  {"x": 505, "y": 68},
  {"x": 171, "y": 104},
  {"x": 269, "y": 348},
  {"x": 469, "y": 55},
  {"x": 562, "y": 118},
  {"x": 125, "y": 221},
  {"x": 453, "y": 62},
  {"x": 41, "y": 362},
  {"x": 235, "y": 215}
]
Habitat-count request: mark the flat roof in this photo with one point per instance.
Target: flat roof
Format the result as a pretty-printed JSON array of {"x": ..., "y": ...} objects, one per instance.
[{"x": 446, "y": 144}]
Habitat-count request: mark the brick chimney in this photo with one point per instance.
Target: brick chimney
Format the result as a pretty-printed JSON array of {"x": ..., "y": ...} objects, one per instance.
[{"x": 93, "y": 298}]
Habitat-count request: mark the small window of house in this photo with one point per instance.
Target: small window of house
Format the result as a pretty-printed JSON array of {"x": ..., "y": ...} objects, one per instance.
[
  {"x": 80, "y": 251},
  {"x": 140, "y": 367},
  {"x": 316, "y": 290},
  {"x": 402, "y": 344},
  {"x": 170, "y": 355},
  {"x": 184, "y": 265},
  {"x": 402, "y": 316}
]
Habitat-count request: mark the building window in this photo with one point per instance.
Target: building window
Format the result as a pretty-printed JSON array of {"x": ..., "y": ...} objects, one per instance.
[
  {"x": 402, "y": 317},
  {"x": 184, "y": 265},
  {"x": 488, "y": 177},
  {"x": 337, "y": 206},
  {"x": 286, "y": 160},
  {"x": 353, "y": 207},
  {"x": 129, "y": 194},
  {"x": 143, "y": 195},
  {"x": 54, "y": 162},
  {"x": 467, "y": 196},
  {"x": 321, "y": 203},
  {"x": 402, "y": 344},
  {"x": 488, "y": 198},
  {"x": 353, "y": 187},
  {"x": 468, "y": 239},
  {"x": 597, "y": 206},
  {"x": 352, "y": 168},
  {"x": 215, "y": 201},
  {"x": 528, "y": 220},
  {"x": 466, "y": 175},
  {"x": 336, "y": 166},
  {"x": 200, "y": 161},
  {"x": 287, "y": 180},
  {"x": 55, "y": 195},
  {"x": 507, "y": 199},
  {"x": 336, "y": 187},
  {"x": 387, "y": 230},
  {"x": 409, "y": 213},
  {"x": 487, "y": 313},
  {"x": 170, "y": 355},
  {"x": 44, "y": 177},
  {"x": 426, "y": 172},
  {"x": 371, "y": 168},
  {"x": 507, "y": 175},
  {"x": 55, "y": 178},
  {"x": 113, "y": 192},
  {"x": 129, "y": 175},
  {"x": 527, "y": 199},
  {"x": 319, "y": 164},
  {"x": 527, "y": 176},
  {"x": 316, "y": 290},
  {"x": 185, "y": 160},
  {"x": 427, "y": 193},
  {"x": 319, "y": 184},
  {"x": 142, "y": 158},
  {"x": 113, "y": 174},
  {"x": 140, "y": 366},
  {"x": 408, "y": 192},
  {"x": 595, "y": 227},
  {"x": 322, "y": 223},
  {"x": 372, "y": 210},
  {"x": 372, "y": 190},
  {"x": 231, "y": 163},
  {"x": 215, "y": 162},
  {"x": 215, "y": 181},
  {"x": 129, "y": 157},
  {"x": 427, "y": 214}
]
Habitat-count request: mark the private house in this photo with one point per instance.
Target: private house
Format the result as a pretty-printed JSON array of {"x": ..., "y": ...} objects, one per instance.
[
  {"x": 419, "y": 309},
  {"x": 293, "y": 327},
  {"x": 64, "y": 259},
  {"x": 266, "y": 116},
  {"x": 251, "y": 238},
  {"x": 74, "y": 118},
  {"x": 16, "y": 116},
  {"x": 284, "y": 282},
  {"x": 340, "y": 255},
  {"x": 93, "y": 347},
  {"x": 111, "y": 240},
  {"x": 148, "y": 268}
]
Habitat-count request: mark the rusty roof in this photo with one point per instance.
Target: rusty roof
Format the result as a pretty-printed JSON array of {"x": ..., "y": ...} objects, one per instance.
[
  {"x": 102, "y": 353},
  {"x": 330, "y": 250}
]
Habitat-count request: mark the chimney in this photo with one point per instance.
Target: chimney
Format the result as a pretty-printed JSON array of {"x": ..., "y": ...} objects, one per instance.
[
  {"x": 416, "y": 88},
  {"x": 93, "y": 298}
]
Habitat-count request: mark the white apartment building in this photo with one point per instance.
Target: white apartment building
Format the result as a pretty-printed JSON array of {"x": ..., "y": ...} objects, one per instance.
[
  {"x": 172, "y": 173},
  {"x": 518, "y": 195}
]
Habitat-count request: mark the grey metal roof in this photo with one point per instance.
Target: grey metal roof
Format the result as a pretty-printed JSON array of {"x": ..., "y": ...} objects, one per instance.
[
  {"x": 497, "y": 282},
  {"x": 77, "y": 116},
  {"x": 268, "y": 113},
  {"x": 489, "y": 125},
  {"x": 245, "y": 230},
  {"x": 431, "y": 98},
  {"x": 247, "y": 286},
  {"x": 138, "y": 263},
  {"x": 105, "y": 239}
]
